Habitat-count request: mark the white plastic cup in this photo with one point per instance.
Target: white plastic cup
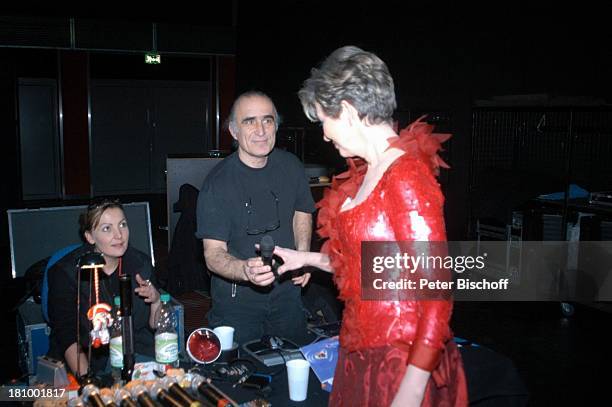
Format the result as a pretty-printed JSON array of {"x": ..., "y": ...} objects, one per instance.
[
  {"x": 298, "y": 371},
  {"x": 226, "y": 336}
]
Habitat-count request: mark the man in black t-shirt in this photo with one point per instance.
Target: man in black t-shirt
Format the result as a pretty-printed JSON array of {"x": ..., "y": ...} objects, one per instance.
[{"x": 256, "y": 191}]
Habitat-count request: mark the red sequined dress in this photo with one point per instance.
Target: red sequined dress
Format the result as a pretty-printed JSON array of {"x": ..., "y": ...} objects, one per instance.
[{"x": 380, "y": 338}]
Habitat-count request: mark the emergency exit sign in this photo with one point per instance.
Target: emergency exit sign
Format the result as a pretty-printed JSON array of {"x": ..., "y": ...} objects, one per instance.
[{"x": 152, "y": 59}]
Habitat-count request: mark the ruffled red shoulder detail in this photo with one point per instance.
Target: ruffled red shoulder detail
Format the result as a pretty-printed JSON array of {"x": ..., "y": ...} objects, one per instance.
[{"x": 417, "y": 139}]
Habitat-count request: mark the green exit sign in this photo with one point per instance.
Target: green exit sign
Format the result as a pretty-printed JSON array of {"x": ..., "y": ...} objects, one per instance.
[{"x": 152, "y": 59}]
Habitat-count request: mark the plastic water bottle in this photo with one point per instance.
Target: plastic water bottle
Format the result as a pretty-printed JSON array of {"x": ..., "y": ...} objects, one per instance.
[
  {"x": 116, "y": 342},
  {"x": 166, "y": 337}
]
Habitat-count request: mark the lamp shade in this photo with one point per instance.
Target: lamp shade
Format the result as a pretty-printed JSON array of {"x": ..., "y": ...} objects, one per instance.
[{"x": 91, "y": 260}]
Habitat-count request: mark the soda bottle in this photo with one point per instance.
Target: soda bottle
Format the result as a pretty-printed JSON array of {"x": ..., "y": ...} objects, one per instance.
[{"x": 166, "y": 337}]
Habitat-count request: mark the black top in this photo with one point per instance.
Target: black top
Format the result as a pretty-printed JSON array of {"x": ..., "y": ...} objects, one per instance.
[
  {"x": 62, "y": 304},
  {"x": 232, "y": 190},
  {"x": 222, "y": 203}
]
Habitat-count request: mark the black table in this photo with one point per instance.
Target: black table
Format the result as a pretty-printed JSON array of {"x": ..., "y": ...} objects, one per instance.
[
  {"x": 279, "y": 387},
  {"x": 279, "y": 395}
]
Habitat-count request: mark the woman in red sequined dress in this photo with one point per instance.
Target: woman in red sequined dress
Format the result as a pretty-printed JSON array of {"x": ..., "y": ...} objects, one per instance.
[{"x": 397, "y": 353}]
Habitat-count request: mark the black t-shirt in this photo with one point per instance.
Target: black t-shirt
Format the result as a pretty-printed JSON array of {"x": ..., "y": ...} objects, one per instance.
[
  {"x": 235, "y": 198},
  {"x": 62, "y": 304}
]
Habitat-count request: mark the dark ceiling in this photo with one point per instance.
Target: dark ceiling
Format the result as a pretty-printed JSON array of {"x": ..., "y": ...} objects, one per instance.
[{"x": 220, "y": 13}]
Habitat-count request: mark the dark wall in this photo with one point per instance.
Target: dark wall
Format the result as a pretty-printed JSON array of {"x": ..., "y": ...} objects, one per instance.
[
  {"x": 442, "y": 59},
  {"x": 437, "y": 56}
]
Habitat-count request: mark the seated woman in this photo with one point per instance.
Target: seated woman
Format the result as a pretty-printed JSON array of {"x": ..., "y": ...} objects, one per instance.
[{"x": 105, "y": 230}]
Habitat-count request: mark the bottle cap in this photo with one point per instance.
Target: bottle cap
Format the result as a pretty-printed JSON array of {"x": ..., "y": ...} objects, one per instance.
[{"x": 165, "y": 297}]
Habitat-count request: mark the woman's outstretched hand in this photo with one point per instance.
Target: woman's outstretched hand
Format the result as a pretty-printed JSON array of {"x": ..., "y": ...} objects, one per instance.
[{"x": 292, "y": 259}]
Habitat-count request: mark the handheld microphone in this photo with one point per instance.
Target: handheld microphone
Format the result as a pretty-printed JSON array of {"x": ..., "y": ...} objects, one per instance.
[
  {"x": 123, "y": 398},
  {"x": 108, "y": 397},
  {"x": 91, "y": 395},
  {"x": 139, "y": 392},
  {"x": 177, "y": 391},
  {"x": 211, "y": 393},
  {"x": 160, "y": 394},
  {"x": 266, "y": 246}
]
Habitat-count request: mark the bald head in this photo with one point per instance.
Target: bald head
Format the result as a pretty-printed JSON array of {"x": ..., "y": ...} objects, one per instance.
[
  {"x": 253, "y": 124},
  {"x": 232, "y": 124}
]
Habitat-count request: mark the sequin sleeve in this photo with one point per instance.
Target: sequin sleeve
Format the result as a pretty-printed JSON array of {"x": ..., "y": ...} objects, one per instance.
[{"x": 416, "y": 215}]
